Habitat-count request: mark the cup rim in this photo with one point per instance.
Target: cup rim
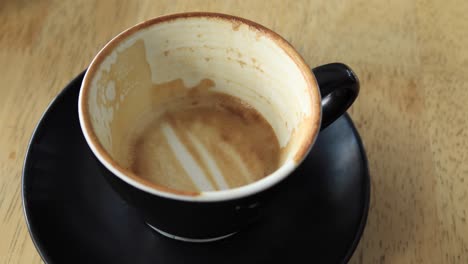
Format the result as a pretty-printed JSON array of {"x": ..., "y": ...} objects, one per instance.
[{"x": 205, "y": 196}]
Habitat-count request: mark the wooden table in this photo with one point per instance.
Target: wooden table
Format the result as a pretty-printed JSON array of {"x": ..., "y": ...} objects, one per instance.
[{"x": 411, "y": 57}]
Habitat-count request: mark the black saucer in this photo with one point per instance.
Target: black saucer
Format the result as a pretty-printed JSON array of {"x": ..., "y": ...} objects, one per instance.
[{"x": 75, "y": 217}]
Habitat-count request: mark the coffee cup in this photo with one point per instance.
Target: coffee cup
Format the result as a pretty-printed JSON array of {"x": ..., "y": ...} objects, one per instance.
[{"x": 196, "y": 119}]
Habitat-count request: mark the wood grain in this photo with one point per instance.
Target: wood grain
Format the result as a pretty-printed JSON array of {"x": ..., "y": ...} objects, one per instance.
[{"x": 412, "y": 59}]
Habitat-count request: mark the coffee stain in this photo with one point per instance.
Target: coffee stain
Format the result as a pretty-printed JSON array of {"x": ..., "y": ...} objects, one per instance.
[
  {"x": 136, "y": 143},
  {"x": 241, "y": 63},
  {"x": 176, "y": 88},
  {"x": 134, "y": 103},
  {"x": 151, "y": 152},
  {"x": 235, "y": 25},
  {"x": 259, "y": 69},
  {"x": 12, "y": 155},
  {"x": 303, "y": 130},
  {"x": 208, "y": 47},
  {"x": 219, "y": 122},
  {"x": 258, "y": 35},
  {"x": 132, "y": 153}
]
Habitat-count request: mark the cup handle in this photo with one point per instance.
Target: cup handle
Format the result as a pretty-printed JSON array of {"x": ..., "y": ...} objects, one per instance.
[{"x": 339, "y": 87}]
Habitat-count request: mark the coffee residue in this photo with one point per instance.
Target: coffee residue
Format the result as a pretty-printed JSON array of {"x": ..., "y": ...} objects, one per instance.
[
  {"x": 184, "y": 138},
  {"x": 230, "y": 143}
]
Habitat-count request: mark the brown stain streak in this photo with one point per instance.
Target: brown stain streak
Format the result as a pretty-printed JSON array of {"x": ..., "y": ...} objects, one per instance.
[
  {"x": 235, "y": 25},
  {"x": 242, "y": 63},
  {"x": 259, "y": 69}
]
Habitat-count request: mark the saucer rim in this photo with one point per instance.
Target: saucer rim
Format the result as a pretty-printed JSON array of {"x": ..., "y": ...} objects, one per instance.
[{"x": 63, "y": 92}]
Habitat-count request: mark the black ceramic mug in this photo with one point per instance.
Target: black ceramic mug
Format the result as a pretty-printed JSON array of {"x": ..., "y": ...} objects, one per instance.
[{"x": 140, "y": 70}]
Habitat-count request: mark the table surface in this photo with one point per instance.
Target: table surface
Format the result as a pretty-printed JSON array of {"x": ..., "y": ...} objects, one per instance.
[{"x": 412, "y": 60}]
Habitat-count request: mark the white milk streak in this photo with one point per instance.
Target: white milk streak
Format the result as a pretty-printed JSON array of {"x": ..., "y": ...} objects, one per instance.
[
  {"x": 235, "y": 157},
  {"x": 210, "y": 162},
  {"x": 188, "y": 162}
]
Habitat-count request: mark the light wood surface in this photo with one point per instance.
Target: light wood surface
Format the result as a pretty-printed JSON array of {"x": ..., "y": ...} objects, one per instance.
[{"x": 412, "y": 60}]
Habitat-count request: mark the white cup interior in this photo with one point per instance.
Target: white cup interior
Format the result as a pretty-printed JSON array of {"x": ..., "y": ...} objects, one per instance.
[{"x": 241, "y": 58}]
